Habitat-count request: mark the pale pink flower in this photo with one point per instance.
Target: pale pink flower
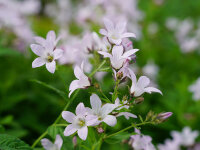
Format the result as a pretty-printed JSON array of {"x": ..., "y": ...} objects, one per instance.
[
  {"x": 169, "y": 145},
  {"x": 195, "y": 88},
  {"x": 47, "y": 52},
  {"x": 141, "y": 86},
  {"x": 48, "y": 145},
  {"x": 141, "y": 142},
  {"x": 127, "y": 115},
  {"x": 102, "y": 112},
  {"x": 115, "y": 33},
  {"x": 118, "y": 57},
  {"x": 79, "y": 122},
  {"x": 81, "y": 82},
  {"x": 186, "y": 137}
]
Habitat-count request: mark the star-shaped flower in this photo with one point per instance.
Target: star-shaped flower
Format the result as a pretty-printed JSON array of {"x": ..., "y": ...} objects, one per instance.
[
  {"x": 48, "y": 145},
  {"x": 79, "y": 122},
  {"x": 115, "y": 33},
  {"x": 141, "y": 86},
  {"x": 82, "y": 82},
  {"x": 118, "y": 57},
  {"x": 47, "y": 53},
  {"x": 102, "y": 112}
]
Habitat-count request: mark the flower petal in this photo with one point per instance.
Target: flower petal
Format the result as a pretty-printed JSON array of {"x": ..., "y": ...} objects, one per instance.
[
  {"x": 73, "y": 86},
  {"x": 110, "y": 120},
  {"x": 129, "y": 53},
  {"x": 126, "y": 115},
  {"x": 68, "y": 116},
  {"x": 121, "y": 26},
  {"x": 103, "y": 32},
  {"x": 95, "y": 103},
  {"x": 38, "y": 62},
  {"x": 105, "y": 54},
  {"x": 51, "y": 36},
  {"x": 80, "y": 109},
  {"x": 117, "y": 52},
  {"x": 107, "y": 108},
  {"x": 40, "y": 40},
  {"x": 83, "y": 132},
  {"x": 143, "y": 82},
  {"x": 57, "y": 53},
  {"x": 59, "y": 141},
  {"x": 128, "y": 34},
  {"x": 115, "y": 41},
  {"x": 108, "y": 24},
  {"x": 91, "y": 120},
  {"x": 152, "y": 89},
  {"x": 78, "y": 72},
  {"x": 51, "y": 67},
  {"x": 47, "y": 144},
  {"x": 69, "y": 130},
  {"x": 37, "y": 49}
]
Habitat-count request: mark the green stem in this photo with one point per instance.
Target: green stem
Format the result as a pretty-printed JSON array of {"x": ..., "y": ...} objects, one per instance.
[
  {"x": 115, "y": 90},
  {"x": 66, "y": 107},
  {"x": 97, "y": 69},
  {"x": 125, "y": 129},
  {"x": 38, "y": 139}
]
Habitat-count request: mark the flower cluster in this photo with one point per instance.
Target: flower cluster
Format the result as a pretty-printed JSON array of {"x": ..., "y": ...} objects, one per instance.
[
  {"x": 185, "y": 138},
  {"x": 141, "y": 142},
  {"x": 115, "y": 52},
  {"x": 186, "y": 33}
]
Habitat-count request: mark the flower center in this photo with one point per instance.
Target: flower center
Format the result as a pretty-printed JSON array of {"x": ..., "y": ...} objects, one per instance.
[
  {"x": 99, "y": 118},
  {"x": 49, "y": 58},
  {"x": 81, "y": 122}
]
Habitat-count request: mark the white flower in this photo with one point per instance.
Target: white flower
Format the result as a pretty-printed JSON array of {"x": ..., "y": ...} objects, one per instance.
[
  {"x": 48, "y": 145},
  {"x": 186, "y": 137},
  {"x": 141, "y": 86},
  {"x": 169, "y": 145},
  {"x": 115, "y": 33},
  {"x": 195, "y": 88},
  {"x": 123, "y": 105},
  {"x": 102, "y": 112},
  {"x": 118, "y": 56},
  {"x": 51, "y": 37},
  {"x": 79, "y": 122},
  {"x": 127, "y": 115},
  {"x": 82, "y": 82},
  {"x": 123, "y": 72},
  {"x": 47, "y": 52},
  {"x": 141, "y": 142},
  {"x": 91, "y": 41},
  {"x": 151, "y": 69}
]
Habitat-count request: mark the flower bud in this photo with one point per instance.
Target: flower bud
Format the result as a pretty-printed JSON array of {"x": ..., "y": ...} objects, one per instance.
[
  {"x": 119, "y": 75},
  {"x": 100, "y": 130},
  {"x": 96, "y": 85},
  {"x": 74, "y": 140},
  {"x": 163, "y": 116}
]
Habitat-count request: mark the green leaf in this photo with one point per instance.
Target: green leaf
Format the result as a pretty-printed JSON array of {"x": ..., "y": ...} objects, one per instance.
[
  {"x": 118, "y": 138},
  {"x": 9, "y": 52},
  {"x": 2, "y": 129},
  {"x": 8, "y": 142},
  {"x": 54, "y": 130},
  {"x": 61, "y": 93},
  {"x": 67, "y": 141}
]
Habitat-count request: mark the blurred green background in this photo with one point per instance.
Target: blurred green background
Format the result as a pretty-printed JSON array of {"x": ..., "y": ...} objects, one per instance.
[{"x": 28, "y": 108}]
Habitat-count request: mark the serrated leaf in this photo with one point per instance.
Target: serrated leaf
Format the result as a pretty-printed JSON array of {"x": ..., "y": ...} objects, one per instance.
[{"x": 8, "y": 142}]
